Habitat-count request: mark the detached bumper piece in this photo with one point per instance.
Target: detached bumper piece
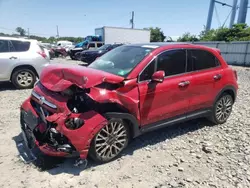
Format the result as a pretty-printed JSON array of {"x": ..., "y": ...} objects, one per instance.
[{"x": 28, "y": 123}]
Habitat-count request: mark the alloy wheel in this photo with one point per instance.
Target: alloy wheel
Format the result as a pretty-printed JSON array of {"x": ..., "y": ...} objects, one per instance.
[
  {"x": 24, "y": 78},
  {"x": 223, "y": 108},
  {"x": 111, "y": 140}
]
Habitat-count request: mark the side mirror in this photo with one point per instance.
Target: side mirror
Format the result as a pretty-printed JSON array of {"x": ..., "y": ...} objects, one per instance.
[{"x": 158, "y": 76}]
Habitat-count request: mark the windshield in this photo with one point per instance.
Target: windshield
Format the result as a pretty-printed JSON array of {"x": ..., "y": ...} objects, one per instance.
[
  {"x": 122, "y": 60},
  {"x": 104, "y": 47}
]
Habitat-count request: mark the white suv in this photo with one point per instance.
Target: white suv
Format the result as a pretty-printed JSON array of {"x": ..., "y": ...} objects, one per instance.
[{"x": 21, "y": 61}]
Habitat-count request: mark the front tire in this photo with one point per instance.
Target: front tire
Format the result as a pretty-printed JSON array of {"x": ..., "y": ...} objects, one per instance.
[
  {"x": 222, "y": 109},
  {"x": 23, "y": 78},
  {"x": 110, "y": 141}
]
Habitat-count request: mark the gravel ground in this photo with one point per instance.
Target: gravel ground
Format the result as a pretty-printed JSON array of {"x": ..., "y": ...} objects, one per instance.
[{"x": 193, "y": 154}]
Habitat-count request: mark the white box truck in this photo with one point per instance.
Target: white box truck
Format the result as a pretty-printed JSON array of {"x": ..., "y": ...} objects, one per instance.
[{"x": 112, "y": 35}]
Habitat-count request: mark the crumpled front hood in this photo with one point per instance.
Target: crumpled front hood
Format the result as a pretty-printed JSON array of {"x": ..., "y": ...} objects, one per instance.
[{"x": 59, "y": 77}]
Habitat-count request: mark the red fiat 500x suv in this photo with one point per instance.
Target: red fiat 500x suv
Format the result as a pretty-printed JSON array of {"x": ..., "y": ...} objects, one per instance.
[{"x": 94, "y": 111}]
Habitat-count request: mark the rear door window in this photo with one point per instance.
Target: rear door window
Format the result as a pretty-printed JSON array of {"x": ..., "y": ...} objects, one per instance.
[
  {"x": 200, "y": 60},
  {"x": 20, "y": 46},
  {"x": 172, "y": 62},
  {"x": 4, "y": 46}
]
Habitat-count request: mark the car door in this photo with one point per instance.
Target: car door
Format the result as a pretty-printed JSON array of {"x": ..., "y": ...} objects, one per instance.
[
  {"x": 206, "y": 72},
  {"x": 159, "y": 101},
  {"x": 7, "y": 59},
  {"x": 27, "y": 52}
]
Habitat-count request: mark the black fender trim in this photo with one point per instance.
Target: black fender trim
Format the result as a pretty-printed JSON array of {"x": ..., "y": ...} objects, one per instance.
[
  {"x": 228, "y": 87},
  {"x": 131, "y": 118}
]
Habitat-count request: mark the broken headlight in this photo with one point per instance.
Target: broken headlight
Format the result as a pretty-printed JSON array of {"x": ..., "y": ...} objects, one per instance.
[{"x": 74, "y": 123}]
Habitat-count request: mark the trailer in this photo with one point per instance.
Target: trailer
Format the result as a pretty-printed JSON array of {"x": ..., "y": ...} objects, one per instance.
[{"x": 112, "y": 35}]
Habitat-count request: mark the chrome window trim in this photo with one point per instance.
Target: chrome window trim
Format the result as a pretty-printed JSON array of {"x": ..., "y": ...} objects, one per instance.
[
  {"x": 39, "y": 97},
  {"x": 186, "y": 49}
]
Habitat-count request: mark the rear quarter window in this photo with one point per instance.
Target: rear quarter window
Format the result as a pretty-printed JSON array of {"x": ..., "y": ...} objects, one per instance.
[
  {"x": 201, "y": 59},
  {"x": 20, "y": 46}
]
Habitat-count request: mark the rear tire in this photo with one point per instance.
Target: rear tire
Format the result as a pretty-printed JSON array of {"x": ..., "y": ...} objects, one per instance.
[
  {"x": 23, "y": 78},
  {"x": 110, "y": 141},
  {"x": 222, "y": 109},
  {"x": 72, "y": 57}
]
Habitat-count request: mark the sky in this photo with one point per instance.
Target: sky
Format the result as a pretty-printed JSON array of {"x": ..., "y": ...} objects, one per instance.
[{"x": 81, "y": 17}]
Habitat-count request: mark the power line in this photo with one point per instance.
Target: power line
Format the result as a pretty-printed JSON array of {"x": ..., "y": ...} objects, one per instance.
[
  {"x": 224, "y": 4},
  {"x": 217, "y": 15},
  {"x": 7, "y": 29},
  {"x": 28, "y": 32},
  {"x": 227, "y": 18},
  {"x": 40, "y": 34}
]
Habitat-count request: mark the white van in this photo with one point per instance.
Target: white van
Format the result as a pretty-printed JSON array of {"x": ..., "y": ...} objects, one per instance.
[{"x": 63, "y": 43}]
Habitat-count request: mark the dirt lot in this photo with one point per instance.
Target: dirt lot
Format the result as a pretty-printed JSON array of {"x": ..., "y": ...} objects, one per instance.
[{"x": 193, "y": 154}]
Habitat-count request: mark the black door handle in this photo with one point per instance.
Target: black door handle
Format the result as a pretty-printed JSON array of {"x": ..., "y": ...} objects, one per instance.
[{"x": 13, "y": 57}]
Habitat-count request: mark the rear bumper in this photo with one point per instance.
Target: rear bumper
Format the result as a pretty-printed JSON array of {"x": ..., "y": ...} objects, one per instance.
[{"x": 80, "y": 139}]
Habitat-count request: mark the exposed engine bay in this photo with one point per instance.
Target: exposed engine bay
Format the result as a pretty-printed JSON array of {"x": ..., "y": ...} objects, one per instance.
[{"x": 80, "y": 101}]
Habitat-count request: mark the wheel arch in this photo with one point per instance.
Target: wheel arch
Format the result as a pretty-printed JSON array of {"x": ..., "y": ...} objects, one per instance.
[
  {"x": 130, "y": 120},
  {"x": 231, "y": 90},
  {"x": 24, "y": 67}
]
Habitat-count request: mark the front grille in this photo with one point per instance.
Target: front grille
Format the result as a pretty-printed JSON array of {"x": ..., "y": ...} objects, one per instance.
[
  {"x": 42, "y": 100},
  {"x": 41, "y": 111}
]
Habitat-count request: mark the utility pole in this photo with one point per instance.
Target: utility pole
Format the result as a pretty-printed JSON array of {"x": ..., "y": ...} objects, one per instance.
[
  {"x": 234, "y": 9},
  {"x": 132, "y": 20},
  {"x": 28, "y": 32},
  {"x": 57, "y": 31}
]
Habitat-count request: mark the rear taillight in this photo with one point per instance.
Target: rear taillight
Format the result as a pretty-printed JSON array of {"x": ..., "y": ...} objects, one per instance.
[
  {"x": 235, "y": 74},
  {"x": 43, "y": 54}
]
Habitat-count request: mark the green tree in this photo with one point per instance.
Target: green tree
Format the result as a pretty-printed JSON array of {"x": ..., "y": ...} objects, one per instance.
[
  {"x": 207, "y": 35},
  {"x": 43, "y": 39},
  {"x": 51, "y": 39},
  {"x": 156, "y": 35},
  {"x": 187, "y": 37},
  {"x": 245, "y": 35},
  {"x": 239, "y": 32},
  {"x": 21, "y": 31}
]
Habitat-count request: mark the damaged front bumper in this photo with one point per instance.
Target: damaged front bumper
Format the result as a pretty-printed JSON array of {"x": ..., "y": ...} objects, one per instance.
[{"x": 44, "y": 127}]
